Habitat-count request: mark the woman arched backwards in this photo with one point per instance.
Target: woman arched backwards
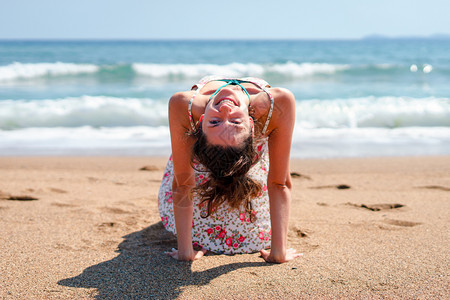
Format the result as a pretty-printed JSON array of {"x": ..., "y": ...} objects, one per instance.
[{"x": 227, "y": 186}]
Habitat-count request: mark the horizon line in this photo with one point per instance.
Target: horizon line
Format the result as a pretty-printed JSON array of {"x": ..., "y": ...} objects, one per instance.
[{"x": 366, "y": 37}]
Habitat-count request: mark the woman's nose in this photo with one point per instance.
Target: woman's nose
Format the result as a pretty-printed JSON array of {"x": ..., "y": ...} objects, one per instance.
[{"x": 224, "y": 108}]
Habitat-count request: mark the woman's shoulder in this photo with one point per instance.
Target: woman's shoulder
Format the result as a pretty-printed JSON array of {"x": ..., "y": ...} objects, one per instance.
[
  {"x": 179, "y": 108},
  {"x": 283, "y": 99},
  {"x": 283, "y": 107},
  {"x": 179, "y": 102},
  {"x": 282, "y": 94},
  {"x": 180, "y": 98}
]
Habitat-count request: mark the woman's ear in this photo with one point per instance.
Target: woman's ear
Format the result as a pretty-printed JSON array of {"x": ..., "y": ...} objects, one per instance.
[{"x": 253, "y": 126}]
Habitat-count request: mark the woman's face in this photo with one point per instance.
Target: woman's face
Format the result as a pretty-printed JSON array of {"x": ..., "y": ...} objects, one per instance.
[{"x": 226, "y": 120}]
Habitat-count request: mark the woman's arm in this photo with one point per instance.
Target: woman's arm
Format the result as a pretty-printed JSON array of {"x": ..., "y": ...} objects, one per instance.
[
  {"x": 279, "y": 180},
  {"x": 183, "y": 176}
]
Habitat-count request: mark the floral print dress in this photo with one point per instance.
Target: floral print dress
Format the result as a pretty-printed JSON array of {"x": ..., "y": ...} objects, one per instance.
[{"x": 226, "y": 230}]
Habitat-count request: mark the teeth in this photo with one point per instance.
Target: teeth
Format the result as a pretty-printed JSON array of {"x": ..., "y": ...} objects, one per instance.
[{"x": 226, "y": 100}]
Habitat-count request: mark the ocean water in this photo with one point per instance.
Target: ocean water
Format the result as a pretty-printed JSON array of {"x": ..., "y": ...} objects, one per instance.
[{"x": 353, "y": 98}]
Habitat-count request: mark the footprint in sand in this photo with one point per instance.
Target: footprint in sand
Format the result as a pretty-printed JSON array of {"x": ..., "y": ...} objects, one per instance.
[
  {"x": 6, "y": 196},
  {"x": 435, "y": 187},
  {"x": 298, "y": 232},
  {"x": 401, "y": 223},
  {"x": 107, "y": 224},
  {"x": 56, "y": 190},
  {"x": 339, "y": 187},
  {"x": 114, "y": 210},
  {"x": 149, "y": 168},
  {"x": 299, "y": 239},
  {"x": 63, "y": 204},
  {"x": 301, "y": 176},
  {"x": 93, "y": 179},
  {"x": 377, "y": 207},
  {"x": 22, "y": 198}
]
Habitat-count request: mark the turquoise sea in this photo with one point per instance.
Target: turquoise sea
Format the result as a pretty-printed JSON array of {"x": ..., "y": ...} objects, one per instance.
[{"x": 368, "y": 97}]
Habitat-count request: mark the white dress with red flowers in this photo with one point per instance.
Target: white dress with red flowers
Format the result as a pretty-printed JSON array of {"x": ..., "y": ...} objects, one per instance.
[{"x": 225, "y": 230}]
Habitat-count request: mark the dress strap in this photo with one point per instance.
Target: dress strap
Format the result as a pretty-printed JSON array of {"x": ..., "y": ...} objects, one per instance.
[
  {"x": 197, "y": 88},
  {"x": 191, "y": 117},
  {"x": 256, "y": 81},
  {"x": 269, "y": 114}
]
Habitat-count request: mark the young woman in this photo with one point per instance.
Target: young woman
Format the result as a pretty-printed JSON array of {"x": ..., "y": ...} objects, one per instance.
[{"x": 226, "y": 187}]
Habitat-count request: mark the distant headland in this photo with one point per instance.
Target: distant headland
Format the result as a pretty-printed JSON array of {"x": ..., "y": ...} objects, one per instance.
[{"x": 436, "y": 36}]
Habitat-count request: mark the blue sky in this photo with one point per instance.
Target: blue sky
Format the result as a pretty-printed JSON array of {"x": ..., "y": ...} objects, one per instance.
[{"x": 176, "y": 19}]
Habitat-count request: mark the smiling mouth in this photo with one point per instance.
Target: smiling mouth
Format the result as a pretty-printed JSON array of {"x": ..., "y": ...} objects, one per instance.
[{"x": 227, "y": 100}]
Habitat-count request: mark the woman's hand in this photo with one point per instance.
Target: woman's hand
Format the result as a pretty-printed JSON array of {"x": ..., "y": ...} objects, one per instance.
[
  {"x": 291, "y": 254},
  {"x": 194, "y": 255}
]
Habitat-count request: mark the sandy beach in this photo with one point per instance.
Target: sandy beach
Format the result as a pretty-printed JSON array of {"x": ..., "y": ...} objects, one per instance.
[{"x": 88, "y": 227}]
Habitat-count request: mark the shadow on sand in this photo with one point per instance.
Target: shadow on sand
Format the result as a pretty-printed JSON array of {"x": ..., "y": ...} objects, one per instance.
[{"x": 141, "y": 270}]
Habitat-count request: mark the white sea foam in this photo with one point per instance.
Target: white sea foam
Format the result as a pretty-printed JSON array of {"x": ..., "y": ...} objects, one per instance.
[
  {"x": 132, "y": 126},
  {"x": 289, "y": 69},
  {"x": 95, "y": 111},
  {"x": 306, "y": 69},
  {"x": 86, "y": 140},
  {"x": 144, "y": 140},
  {"x": 16, "y": 71},
  {"x": 21, "y": 70},
  {"x": 352, "y": 142},
  {"x": 102, "y": 111},
  {"x": 197, "y": 70},
  {"x": 383, "y": 112}
]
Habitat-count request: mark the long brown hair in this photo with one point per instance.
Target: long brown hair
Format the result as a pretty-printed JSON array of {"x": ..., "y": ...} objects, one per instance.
[{"x": 228, "y": 167}]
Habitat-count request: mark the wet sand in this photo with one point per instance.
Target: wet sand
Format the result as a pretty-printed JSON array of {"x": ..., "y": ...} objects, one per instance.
[{"x": 88, "y": 227}]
